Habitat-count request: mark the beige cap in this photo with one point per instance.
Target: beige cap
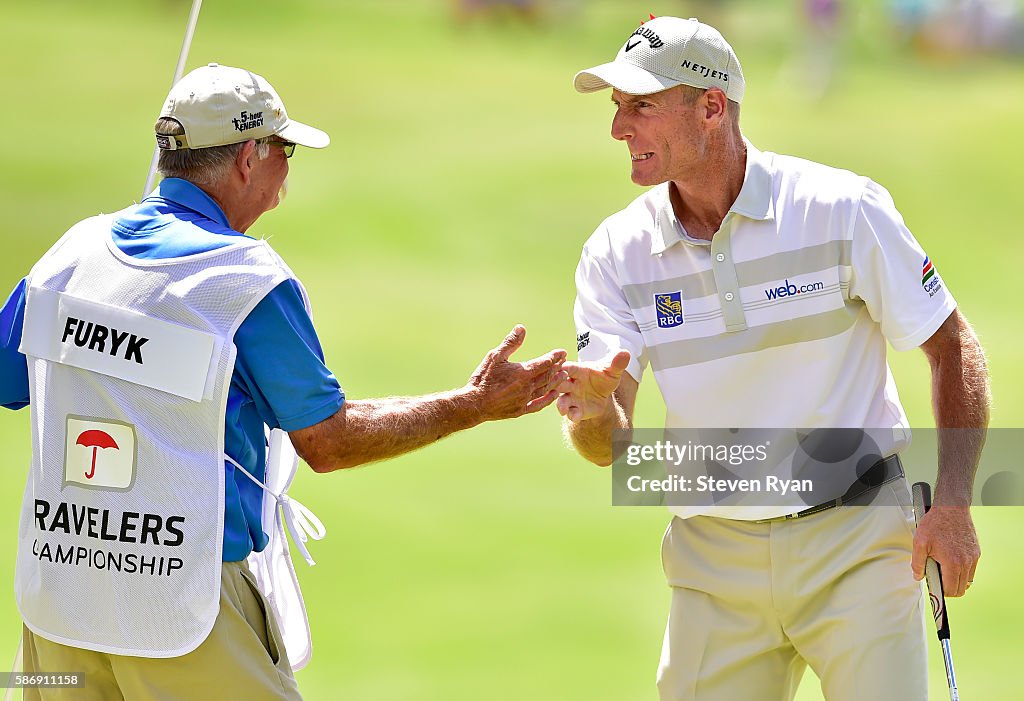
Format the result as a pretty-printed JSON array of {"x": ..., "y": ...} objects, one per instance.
[
  {"x": 665, "y": 52},
  {"x": 219, "y": 105}
]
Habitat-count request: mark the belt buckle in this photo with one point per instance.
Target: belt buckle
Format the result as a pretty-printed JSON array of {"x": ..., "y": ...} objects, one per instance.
[{"x": 884, "y": 463}]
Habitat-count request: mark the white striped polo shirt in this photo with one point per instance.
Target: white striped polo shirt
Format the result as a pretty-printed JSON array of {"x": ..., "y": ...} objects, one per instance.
[{"x": 781, "y": 319}]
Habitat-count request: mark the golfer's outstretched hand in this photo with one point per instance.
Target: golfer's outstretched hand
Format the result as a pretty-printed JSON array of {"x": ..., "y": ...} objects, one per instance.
[
  {"x": 505, "y": 389},
  {"x": 587, "y": 392}
]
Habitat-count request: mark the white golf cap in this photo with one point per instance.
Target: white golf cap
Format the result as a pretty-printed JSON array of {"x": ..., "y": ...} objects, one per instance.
[
  {"x": 219, "y": 105},
  {"x": 665, "y": 52}
]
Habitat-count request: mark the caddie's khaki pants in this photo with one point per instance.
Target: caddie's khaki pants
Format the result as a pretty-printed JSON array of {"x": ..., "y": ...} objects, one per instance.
[
  {"x": 754, "y": 604},
  {"x": 242, "y": 658}
]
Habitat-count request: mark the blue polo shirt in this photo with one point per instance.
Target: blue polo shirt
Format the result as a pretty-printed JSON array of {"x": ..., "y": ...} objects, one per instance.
[{"x": 280, "y": 378}]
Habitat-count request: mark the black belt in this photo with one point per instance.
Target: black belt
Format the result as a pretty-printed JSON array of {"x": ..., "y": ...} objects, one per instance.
[{"x": 882, "y": 472}]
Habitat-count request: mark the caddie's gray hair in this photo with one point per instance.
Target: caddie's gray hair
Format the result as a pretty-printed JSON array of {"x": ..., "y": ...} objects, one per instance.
[{"x": 201, "y": 166}]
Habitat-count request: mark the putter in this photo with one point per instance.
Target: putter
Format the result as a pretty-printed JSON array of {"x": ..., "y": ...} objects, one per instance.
[
  {"x": 933, "y": 574},
  {"x": 190, "y": 29}
]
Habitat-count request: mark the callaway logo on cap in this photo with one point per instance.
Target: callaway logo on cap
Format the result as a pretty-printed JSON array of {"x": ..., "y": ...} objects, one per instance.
[
  {"x": 219, "y": 105},
  {"x": 664, "y": 53}
]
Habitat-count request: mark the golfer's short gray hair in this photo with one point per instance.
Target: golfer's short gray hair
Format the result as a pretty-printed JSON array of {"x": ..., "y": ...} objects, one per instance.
[
  {"x": 690, "y": 95},
  {"x": 202, "y": 166}
]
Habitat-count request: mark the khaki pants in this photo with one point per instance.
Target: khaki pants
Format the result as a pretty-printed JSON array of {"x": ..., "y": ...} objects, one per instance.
[
  {"x": 243, "y": 658},
  {"x": 754, "y": 604}
]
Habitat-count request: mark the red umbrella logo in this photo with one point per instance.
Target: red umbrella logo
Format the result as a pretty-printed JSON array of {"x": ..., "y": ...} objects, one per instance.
[{"x": 95, "y": 439}]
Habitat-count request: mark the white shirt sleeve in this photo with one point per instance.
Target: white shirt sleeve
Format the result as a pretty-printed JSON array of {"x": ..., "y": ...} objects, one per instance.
[
  {"x": 604, "y": 320},
  {"x": 893, "y": 276}
]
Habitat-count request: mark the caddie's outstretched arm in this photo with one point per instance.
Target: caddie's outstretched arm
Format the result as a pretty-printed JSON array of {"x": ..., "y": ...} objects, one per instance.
[
  {"x": 596, "y": 399},
  {"x": 960, "y": 401},
  {"x": 367, "y": 430}
]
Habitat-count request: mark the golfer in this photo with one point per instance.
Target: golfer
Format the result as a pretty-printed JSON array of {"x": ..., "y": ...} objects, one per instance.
[
  {"x": 762, "y": 289},
  {"x": 155, "y": 345}
]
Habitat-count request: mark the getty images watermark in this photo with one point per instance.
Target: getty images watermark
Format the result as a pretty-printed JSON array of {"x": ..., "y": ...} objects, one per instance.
[
  {"x": 673, "y": 455},
  {"x": 799, "y": 468}
]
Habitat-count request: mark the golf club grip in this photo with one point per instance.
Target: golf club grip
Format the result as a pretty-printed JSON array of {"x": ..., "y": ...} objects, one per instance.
[{"x": 922, "y": 492}]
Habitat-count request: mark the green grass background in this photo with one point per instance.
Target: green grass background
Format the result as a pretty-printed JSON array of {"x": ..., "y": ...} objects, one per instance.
[{"x": 464, "y": 175}]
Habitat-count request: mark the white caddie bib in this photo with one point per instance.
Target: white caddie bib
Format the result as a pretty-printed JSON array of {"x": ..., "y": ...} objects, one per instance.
[{"x": 130, "y": 362}]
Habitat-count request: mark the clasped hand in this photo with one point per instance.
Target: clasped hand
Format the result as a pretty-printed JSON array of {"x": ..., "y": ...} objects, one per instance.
[{"x": 506, "y": 389}]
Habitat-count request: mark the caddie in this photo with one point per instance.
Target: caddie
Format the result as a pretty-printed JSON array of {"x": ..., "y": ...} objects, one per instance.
[
  {"x": 156, "y": 347},
  {"x": 761, "y": 289}
]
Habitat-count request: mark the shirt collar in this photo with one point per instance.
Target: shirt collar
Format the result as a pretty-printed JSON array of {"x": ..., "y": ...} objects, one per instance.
[
  {"x": 190, "y": 196},
  {"x": 755, "y": 198},
  {"x": 754, "y": 201}
]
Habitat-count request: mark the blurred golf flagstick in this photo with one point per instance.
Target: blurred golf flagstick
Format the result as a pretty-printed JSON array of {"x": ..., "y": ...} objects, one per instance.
[
  {"x": 190, "y": 29},
  {"x": 922, "y": 502}
]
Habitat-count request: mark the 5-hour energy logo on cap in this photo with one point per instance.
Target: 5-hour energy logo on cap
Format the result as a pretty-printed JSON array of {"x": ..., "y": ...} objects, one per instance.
[
  {"x": 99, "y": 453},
  {"x": 669, "y": 306}
]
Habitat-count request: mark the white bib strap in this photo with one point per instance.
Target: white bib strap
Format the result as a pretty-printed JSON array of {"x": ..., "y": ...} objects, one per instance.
[{"x": 302, "y": 523}]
